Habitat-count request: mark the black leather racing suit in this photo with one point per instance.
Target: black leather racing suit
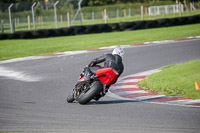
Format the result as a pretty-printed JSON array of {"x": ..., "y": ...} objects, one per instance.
[{"x": 114, "y": 61}]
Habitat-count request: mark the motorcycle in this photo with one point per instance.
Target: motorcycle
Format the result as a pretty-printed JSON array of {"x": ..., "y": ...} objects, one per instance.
[{"x": 95, "y": 87}]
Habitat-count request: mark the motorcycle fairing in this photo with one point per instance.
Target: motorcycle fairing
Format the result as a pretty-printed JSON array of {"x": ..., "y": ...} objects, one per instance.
[{"x": 107, "y": 75}]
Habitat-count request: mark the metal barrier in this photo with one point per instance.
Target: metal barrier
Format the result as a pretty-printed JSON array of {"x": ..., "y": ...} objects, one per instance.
[
  {"x": 100, "y": 28},
  {"x": 63, "y": 13}
]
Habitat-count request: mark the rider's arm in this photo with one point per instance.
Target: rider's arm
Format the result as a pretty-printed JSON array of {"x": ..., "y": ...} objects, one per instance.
[{"x": 98, "y": 60}]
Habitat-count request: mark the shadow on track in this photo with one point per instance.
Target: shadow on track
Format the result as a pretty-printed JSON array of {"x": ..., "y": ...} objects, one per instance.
[{"x": 112, "y": 102}]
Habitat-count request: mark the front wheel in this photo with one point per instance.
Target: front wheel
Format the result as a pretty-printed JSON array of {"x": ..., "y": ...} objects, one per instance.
[
  {"x": 95, "y": 89},
  {"x": 71, "y": 98}
]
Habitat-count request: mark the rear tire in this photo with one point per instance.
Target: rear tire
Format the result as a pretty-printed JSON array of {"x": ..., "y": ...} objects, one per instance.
[
  {"x": 70, "y": 98},
  {"x": 94, "y": 90}
]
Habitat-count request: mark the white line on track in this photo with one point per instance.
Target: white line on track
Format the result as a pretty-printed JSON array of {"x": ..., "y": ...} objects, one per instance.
[
  {"x": 148, "y": 97},
  {"x": 18, "y": 75},
  {"x": 130, "y": 92},
  {"x": 189, "y": 101},
  {"x": 22, "y": 59},
  {"x": 124, "y": 86},
  {"x": 130, "y": 81}
]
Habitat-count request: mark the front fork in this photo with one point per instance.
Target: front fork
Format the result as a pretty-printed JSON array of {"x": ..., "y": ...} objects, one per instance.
[{"x": 81, "y": 87}]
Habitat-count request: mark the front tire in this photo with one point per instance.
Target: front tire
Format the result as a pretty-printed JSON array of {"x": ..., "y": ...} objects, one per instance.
[
  {"x": 71, "y": 98},
  {"x": 94, "y": 90}
]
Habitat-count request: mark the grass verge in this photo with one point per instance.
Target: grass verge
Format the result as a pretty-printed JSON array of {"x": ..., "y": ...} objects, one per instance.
[
  {"x": 21, "y": 48},
  {"x": 175, "y": 80}
]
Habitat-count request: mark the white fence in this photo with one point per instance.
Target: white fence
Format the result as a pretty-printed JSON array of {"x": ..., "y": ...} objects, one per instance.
[{"x": 157, "y": 10}]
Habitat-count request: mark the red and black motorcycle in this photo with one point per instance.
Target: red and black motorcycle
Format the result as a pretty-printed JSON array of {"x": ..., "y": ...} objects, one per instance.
[{"x": 100, "y": 79}]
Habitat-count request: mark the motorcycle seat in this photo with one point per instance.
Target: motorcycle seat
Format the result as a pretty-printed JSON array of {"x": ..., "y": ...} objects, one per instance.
[{"x": 94, "y": 69}]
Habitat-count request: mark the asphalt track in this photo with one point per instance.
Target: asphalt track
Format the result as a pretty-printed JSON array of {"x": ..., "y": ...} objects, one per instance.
[{"x": 36, "y": 102}]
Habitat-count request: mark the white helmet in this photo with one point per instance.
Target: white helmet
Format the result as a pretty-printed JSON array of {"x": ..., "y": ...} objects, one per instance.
[{"x": 118, "y": 51}]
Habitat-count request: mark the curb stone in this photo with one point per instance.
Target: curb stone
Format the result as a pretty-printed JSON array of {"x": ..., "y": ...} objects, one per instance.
[{"x": 127, "y": 89}]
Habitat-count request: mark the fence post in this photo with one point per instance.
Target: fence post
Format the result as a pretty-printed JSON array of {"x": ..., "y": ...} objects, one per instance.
[
  {"x": 33, "y": 16},
  {"x": 79, "y": 6},
  {"x": 29, "y": 23},
  {"x": 55, "y": 14},
  {"x": 191, "y": 6},
  {"x": 124, "y": 12},
  {"x": 78, "y": 12},
  {"x": 2, "y": 28},
  {"x": 117, "y": 13},
  {"x": 61, "y": 18},
  {"x": 174, "y": 9},
  {"x": 18, "y": 22},
  {"x": 82, "y": 17},
  {"x": 105, "y": 16},
  {"x": 146, "y": 11},
  {"x": 68, "y": 19},
  {"x": 180, "y": 11},
  {"x": 158, "y": 10},
  {"x": 93, "y": 16},
  {"x": 11, "y": 28},
  {"x": 166, "y": 9},
  {"x": 142, "y": 12},
  {"x": 41, "y": 20}
]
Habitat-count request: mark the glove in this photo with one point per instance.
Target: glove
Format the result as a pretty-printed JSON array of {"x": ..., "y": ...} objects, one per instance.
[{"x": 91, "y": 64}]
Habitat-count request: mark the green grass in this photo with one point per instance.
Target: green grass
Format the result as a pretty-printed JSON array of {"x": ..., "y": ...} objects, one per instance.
[
  {"x": 175, "y": 80},
  {"x": 21, "y": 48}
]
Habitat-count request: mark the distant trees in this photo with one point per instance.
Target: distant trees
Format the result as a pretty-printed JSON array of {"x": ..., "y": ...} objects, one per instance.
[
  {"x": 97, "y": 2},
  {"x": 92, "y": 2},
  {"x": 107, "y": 2}
]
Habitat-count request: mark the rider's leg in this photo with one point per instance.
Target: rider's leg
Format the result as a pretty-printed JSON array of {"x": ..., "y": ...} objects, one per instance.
[{"x": 97, "y": 97}]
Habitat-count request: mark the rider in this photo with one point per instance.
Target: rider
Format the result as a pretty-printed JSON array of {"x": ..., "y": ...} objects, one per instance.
[{"x": 113, "y": 60}]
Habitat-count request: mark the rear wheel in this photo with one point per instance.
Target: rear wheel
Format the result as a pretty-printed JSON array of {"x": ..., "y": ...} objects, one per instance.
[
  {"x": 95, "y": 89},
  {"x": 71, "y": 98}
]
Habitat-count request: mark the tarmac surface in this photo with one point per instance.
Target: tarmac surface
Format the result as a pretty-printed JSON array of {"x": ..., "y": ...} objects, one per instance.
[{"x": 33, "y": 94}]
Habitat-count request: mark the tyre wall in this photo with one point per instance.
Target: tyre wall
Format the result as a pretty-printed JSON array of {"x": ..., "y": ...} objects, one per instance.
[{"x": 101, "y": 28}]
